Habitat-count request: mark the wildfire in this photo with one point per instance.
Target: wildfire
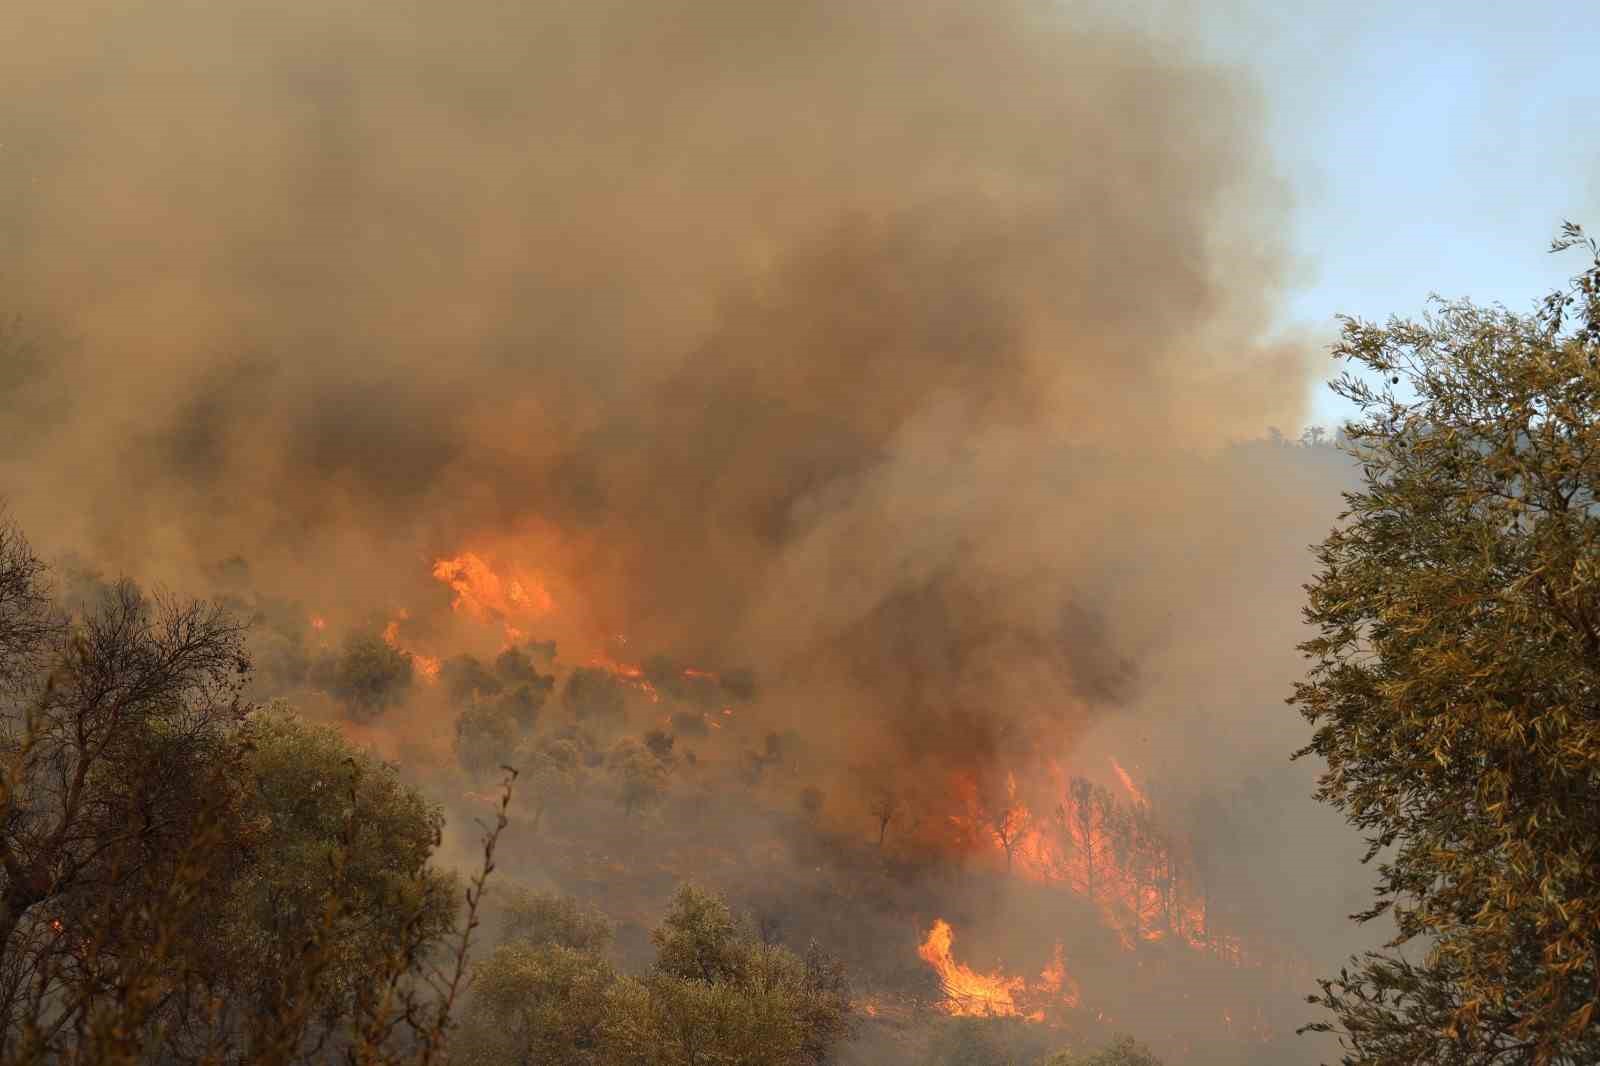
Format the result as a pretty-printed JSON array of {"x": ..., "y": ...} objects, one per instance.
[
  {"x": 488, "y": 597},
  {"x": 627, "y": 673},
  {"x": 1134, "y": 792},
  {"x": 973, "y": 994},
  {"x": 1058, "y": 982},
  {"x": 634, "y": 676},
  {"x": 425, "y": 665},
  {"x": 968, "y": 992},
  {"x": 1116, "y": 856},
  {"x": 318, "y": 622}
]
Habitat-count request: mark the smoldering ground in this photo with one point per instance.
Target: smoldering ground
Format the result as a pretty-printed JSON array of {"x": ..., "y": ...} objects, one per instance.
[{"x": 893, "y": 348}]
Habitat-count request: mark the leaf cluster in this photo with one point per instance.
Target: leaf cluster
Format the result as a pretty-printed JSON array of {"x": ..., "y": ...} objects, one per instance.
[{"x": 1454, "y": 685}]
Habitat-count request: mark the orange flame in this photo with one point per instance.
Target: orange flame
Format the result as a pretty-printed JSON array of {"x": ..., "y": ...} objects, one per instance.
[
  {"x": 485, "y": 595},
  {"x": 968, "y": 992},
  {"x": 1134, "y": 874},
  {"x": 633, "y": 675},
  {"x": 1058, "y": 982},
  {"x": 1134, "y": 791},
  {"x": 427, "y": 666}
]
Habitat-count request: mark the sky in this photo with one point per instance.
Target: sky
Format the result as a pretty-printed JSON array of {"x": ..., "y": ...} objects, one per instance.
[{"x": 1428, "y": 148}]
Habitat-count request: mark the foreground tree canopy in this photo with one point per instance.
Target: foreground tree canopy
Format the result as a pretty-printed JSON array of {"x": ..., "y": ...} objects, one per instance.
[
  {"x": 716, "y": 994},
  {"x": 187, "y": 878},
  {"x": 1455, "y": 680}
]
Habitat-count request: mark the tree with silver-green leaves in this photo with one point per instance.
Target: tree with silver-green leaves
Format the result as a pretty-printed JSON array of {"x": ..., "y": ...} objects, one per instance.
[
  {"x": 1454, "y": 684},
  {"x": 717, "y": 994}
]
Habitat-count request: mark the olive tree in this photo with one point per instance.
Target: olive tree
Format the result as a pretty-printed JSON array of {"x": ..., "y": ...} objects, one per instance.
[{"x": 1454, "y": 684}]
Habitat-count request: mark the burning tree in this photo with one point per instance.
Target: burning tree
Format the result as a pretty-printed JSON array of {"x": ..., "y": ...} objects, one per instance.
[
  {"x": 1453, "y": 682},
  {"x": 1009, "y": 820},
  {"x": 1087, "y": 825}
]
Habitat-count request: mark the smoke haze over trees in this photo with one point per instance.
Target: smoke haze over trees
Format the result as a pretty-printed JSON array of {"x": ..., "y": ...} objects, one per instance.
[{"x": 905, "y": 369}]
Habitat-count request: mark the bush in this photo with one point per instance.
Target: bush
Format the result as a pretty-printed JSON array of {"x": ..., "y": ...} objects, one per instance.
[
  {"x": 593, "y": 693},
  {"x": 714, "y": 994},
  {"x": 369, "y": 677},
  {"x": 486, "y": 737},
  {"x": 466, "y": 680},
  {"x": 541, "y": 919}
]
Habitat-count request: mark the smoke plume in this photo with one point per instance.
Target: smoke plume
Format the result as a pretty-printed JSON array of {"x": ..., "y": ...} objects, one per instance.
[{"x": 897, "y": 349}]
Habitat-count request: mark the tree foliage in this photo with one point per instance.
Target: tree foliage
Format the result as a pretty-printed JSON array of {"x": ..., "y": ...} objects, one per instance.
[
  {"x": 640, "y": 775},
  {"x": 313, "y": 795},
  {"x": 369, "y": 676},
  {"x": 592, "y": 692},
  {"x": 117, "y": 770},
  {"x": 716, "y": 994},
  {"x": 486, "y": 734},
  {"x": 1455, "y": 678},
  {"x": 186, "y": 878}
]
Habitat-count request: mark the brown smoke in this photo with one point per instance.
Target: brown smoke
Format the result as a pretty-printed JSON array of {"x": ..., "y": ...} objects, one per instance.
[
  {"x": 893, "y": 348},
  {"x": 779, "y": 313},
  {"x": 889, "y": 346}
]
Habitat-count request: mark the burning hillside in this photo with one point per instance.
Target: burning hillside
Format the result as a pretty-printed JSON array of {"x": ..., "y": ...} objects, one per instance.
[
  {"x": 1106, "y": 869},
  {"x": 823, "y": 424}
]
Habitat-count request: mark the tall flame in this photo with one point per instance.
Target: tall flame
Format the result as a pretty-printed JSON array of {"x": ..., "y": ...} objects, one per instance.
[
  {"x": 968, "y": 992},
  {"x": 972, "y": 994},
  {"x": 1119, "y": 858}
]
